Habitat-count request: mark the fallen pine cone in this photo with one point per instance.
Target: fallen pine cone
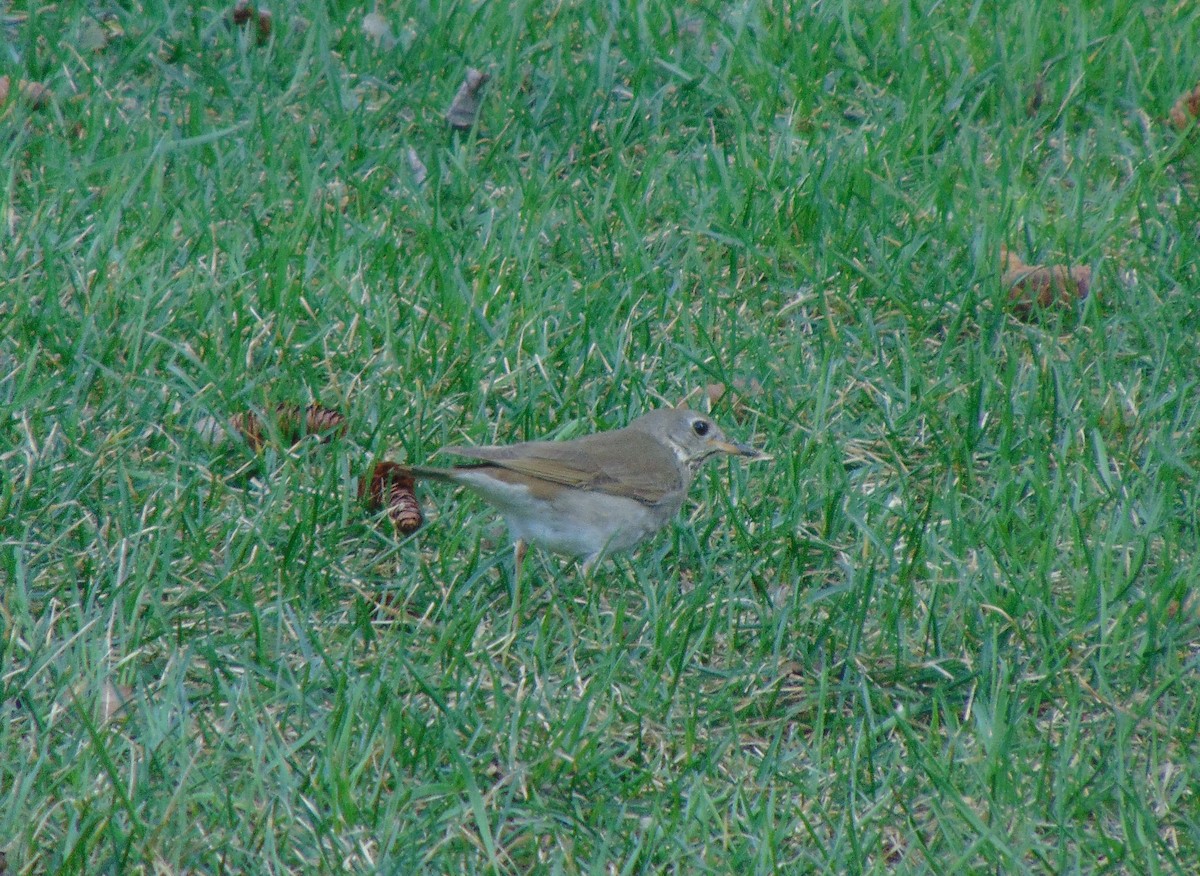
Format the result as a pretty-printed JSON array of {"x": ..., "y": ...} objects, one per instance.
[
  {"x": 323, "y": 421},
  {"x": 292, "y": 424},
  {"x": 391, "y": 486},
  {"x": 1042, "y": 285}
]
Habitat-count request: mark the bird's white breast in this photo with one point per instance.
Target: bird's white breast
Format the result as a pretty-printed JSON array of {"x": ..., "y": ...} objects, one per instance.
[{"x": 574, "y": 522}]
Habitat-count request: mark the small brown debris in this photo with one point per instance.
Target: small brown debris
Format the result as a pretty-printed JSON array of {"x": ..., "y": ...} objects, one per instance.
[
  {"x": 242, "y": 13},
  {"x": 376, "y": 28},
  {"x": 391, "y": 486},
  {"x": 264, "y": 25},
  {"x": 1188, "y": 606},
  {"x": 417, "y": 167},
  {"x": 34, "y": 93},
  {"x": 91, "y": 36},
  {"x": 1037, "y": 94},
  {"x": 464, "y": 109},
  {"x": 113, "y": 698},
  {"x": 1042, "y": 285},
  {"x": 337, "y": 196},
  {"x": 1186, "y": 109},
  {"x": 292, "y": 423},
  {"x": 688, "y": 25}
]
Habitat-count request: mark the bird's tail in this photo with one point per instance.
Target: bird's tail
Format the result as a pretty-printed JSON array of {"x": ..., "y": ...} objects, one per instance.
[{"x": 429, "y": 473}]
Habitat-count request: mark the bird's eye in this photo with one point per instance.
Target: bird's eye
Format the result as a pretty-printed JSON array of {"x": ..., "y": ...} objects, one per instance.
[{"x": 700, "y": 427}]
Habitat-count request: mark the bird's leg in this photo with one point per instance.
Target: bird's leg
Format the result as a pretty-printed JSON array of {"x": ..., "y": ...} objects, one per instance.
[
  {"x": 520, "y": 546},
  {"x": 514, "y": 618}
]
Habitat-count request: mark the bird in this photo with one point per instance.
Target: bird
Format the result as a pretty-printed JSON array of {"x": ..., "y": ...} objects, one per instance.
[{"x": 596, "y": 495}]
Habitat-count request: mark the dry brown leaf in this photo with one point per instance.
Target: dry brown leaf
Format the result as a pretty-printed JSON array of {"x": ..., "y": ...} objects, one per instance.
[
  {"x": 743, "y": 390},
  {"x": 464, "y": 109},
  {"x": 416, "y": 166},
  {"x": 1033, "y": 286},
  {"x": 113, "y": 698}
]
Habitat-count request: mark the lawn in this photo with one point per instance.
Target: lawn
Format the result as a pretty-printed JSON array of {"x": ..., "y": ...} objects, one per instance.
[{"x": 951, "y": 628}]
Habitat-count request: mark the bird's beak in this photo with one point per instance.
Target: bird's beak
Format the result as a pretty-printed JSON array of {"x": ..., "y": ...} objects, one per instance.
[{"x": 744, "y": 450}]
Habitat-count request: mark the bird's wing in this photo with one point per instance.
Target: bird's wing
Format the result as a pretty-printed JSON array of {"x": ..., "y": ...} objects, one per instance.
[{"x": 637, "y": 466}]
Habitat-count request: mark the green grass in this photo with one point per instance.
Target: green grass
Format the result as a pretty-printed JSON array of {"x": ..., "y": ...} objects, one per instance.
[{"x": 952, "y": 628}]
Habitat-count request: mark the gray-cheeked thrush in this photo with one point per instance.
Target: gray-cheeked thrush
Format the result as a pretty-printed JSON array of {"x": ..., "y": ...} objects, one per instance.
[{"x": 596, "y": 495}]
